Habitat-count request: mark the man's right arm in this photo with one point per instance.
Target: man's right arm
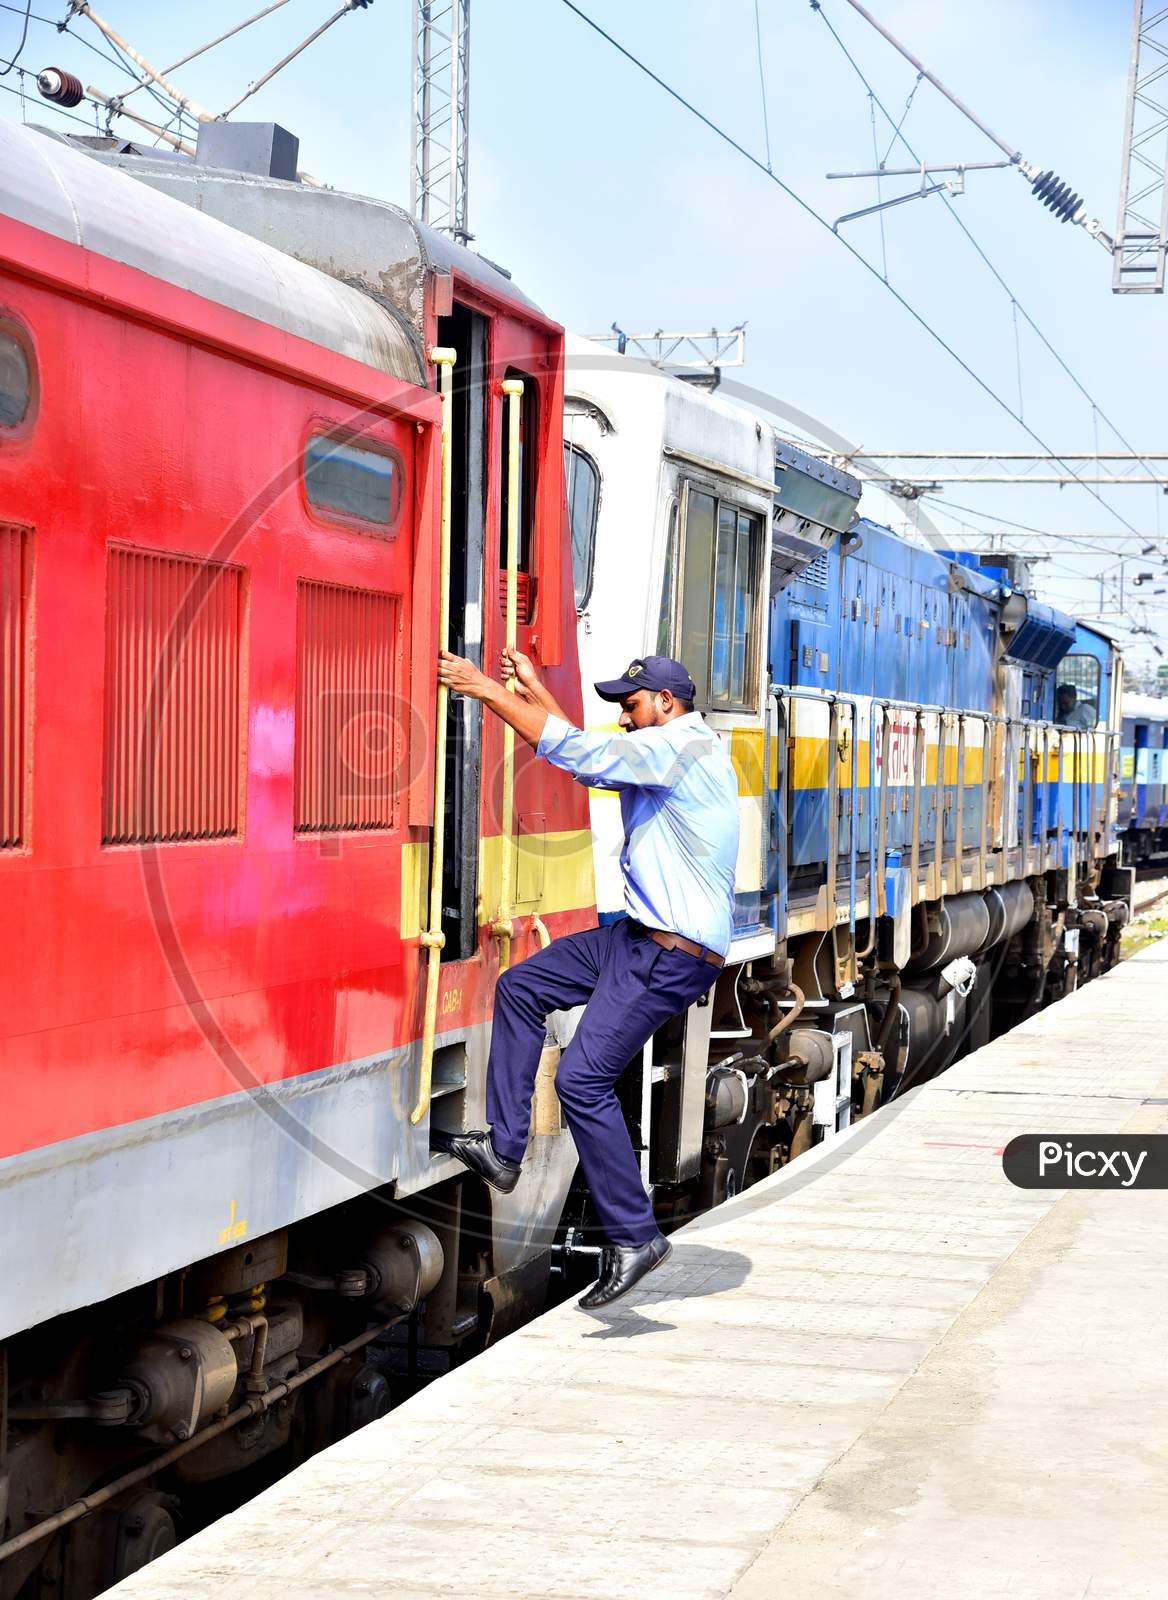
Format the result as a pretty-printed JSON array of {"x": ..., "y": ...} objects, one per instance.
[{"x": 648, "y": 759}]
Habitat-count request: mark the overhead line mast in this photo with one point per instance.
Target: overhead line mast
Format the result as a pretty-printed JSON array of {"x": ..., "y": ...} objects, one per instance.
[
  {"x": 439, "y": 170},
  {"x": 1141, "y": 235}
]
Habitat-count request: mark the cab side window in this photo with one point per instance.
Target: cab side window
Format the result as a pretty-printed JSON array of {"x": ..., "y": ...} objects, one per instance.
[
  {"x": 15, "y": 380},
  {"x": 582, "y": 481},
  {"x": 1080, "y": 672},
  {"x": 665, "y": 620},
  {"x": 720, "y": 585}
]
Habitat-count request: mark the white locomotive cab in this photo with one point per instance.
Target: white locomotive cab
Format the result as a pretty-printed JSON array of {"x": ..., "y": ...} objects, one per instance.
[{"x": 671, "y": 545}]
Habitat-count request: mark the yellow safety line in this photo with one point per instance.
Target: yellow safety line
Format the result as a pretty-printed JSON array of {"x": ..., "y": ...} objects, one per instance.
[{"x": 434, "y": 939}]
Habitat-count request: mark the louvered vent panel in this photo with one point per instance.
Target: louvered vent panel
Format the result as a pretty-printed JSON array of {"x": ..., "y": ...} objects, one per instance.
[
  {"x": 815, "y": 574},
  {"x": 172, "y": 721},
  {"x": 348, "y": 728},
  {"x": 15, "y": 558}
]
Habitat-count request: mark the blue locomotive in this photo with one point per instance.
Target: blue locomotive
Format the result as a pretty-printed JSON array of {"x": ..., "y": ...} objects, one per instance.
[{"x": 927, "y": 758}]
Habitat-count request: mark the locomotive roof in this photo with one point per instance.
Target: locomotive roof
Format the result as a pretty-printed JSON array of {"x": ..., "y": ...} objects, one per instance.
[
  {"x": 50, "y": 184},
  {"x": 371, "y": 244},
  {"x": 1146, "y": 707}
]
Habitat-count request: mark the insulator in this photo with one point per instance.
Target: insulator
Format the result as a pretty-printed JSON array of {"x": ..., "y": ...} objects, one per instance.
[
  {"x": 1057, "y": 196},
  {"x": 61, "y": 87}
]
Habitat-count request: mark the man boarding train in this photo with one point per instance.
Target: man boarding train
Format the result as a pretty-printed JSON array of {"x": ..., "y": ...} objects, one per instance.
[{"x": 679, "y": 806}]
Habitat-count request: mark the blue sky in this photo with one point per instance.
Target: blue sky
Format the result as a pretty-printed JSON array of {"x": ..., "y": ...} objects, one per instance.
[{"x": 609, "y": 202}]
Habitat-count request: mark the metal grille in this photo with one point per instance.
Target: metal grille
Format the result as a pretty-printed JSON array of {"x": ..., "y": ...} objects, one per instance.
[
  {"x": 815, "y": 575},
  {"x": 15, "y": 571},
  {"x": 349, "y": 739},
  {"x": 172, "y": 719}
]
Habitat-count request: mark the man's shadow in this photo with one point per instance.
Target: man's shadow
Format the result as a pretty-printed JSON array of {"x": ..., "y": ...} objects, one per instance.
[{"x": 693, "y": 1271}]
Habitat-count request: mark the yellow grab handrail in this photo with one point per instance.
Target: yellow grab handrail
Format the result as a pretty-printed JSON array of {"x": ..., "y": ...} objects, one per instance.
[
  {"x": 433, "y": 938},
  {"x": 503, "y": 927}
]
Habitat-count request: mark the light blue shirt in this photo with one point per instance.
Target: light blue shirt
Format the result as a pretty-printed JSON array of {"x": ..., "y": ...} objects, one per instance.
[{"x": 679, "y": 804}]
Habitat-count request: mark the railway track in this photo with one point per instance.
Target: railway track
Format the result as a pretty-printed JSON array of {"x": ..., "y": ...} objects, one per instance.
[{"x": 1151, "y": 891}]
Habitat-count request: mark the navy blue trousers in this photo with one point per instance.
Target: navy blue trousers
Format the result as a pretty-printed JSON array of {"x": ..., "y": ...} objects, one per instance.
[{"x": 631, "y": 986}]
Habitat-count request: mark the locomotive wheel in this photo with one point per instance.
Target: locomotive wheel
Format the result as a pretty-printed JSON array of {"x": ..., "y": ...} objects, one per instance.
[
  {"x": 142, "y": 1531},
  {"x": 726, "y": 1173}
]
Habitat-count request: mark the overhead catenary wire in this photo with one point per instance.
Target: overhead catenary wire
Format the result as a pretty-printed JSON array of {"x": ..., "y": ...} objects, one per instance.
[
  {"x": 1015, "y": 304},
  {"x": 960, "y": 221},
  {"x": 806, "y": 207},
  {"x": 253, "y": 88},
  {"x": 82, "y": 8},
  {"x": 24, "y": 39},
  {"x": 766, "y": 127},
  {"x": 23, "y": 73},
  {"x": 193, "y": 55},
  {"x": 1026, "y": 527},
  {"x": 879, "y": 190},
  {"x": 120, "y": 62},
  {"x": 912, "y": 94},
  {"x": 1080, "y": 540},
  {"x": 98, "y": 99}
]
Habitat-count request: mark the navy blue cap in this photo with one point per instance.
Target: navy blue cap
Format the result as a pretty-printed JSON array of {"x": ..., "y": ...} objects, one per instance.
[{"x": 654, "y": 673}]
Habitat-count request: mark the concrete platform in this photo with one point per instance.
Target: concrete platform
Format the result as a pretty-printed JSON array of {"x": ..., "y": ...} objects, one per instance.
[{"x": 884, "y": 1372}]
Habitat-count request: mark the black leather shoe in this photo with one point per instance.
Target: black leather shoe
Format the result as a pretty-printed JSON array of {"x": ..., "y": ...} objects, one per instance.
[
  {"x": 622, "y": 1265},
  {"x": 476, "y": 1151}
]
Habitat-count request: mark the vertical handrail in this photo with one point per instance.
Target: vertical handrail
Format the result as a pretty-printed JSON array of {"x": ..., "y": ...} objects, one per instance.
[
  {"x": 852, "y": 797},
  {"x": 503, "y": 927},
  {"x": 872, "y": 809},
  {"x": 959, "y": 819},
  {"x": 920, "y": 755},
  {"x": 1054, "y": 810},
  {"x": 1076, "y": 802},
  {"x": 1027, "y": 800},
  {"x": 983, "y": 807},
  {"x": 1092, "y": 740},
  {"x": 433, "y": 939},
  {"x": 882, "y": 827},
  {"x": 1039, "y": 797},
  {"x": 995, "y": 792},
  {"x": 874, "y": 909},
  {"x": 783, "y": 749},
  {"x": 832, "y": 803},
  {"x": 938, "y": 872}
]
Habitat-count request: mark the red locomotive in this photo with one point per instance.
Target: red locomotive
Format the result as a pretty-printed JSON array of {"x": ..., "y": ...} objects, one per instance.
[{"x": 223, "y": 542}]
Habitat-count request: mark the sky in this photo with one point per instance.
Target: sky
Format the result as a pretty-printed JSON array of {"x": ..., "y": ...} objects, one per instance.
[{"x": 610, "y": 202}]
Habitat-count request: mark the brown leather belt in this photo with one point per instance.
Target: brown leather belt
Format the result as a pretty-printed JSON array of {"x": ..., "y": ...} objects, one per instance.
[{"x": 674, "y": 941}]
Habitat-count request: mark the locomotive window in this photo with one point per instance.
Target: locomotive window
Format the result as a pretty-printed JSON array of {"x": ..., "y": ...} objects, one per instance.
[
  {"x": 665, "y": 616},
  {"x": 720, "y": 582},
  {"x": 583, "y": 485},
  {"x": 1082, "y": 672},
  {"x": 347, "y": 481},
  {"x": 15, "y": 381}
]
